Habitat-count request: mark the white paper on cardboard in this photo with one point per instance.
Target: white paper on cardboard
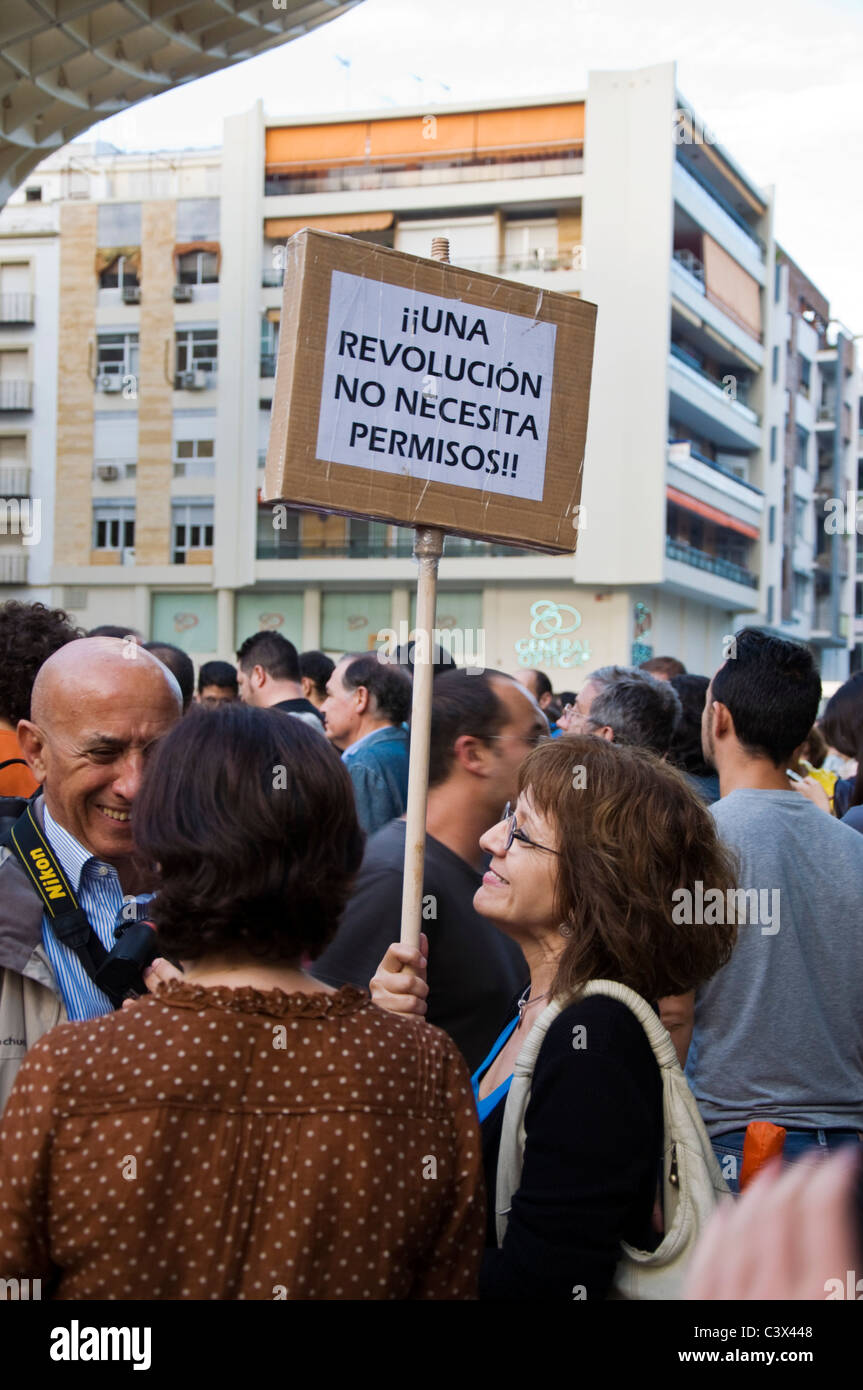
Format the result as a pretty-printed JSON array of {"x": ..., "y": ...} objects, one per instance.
[{"x": 420, "y": 386}]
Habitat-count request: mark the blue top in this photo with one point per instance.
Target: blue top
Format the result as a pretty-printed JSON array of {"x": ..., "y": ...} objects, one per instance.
[
  {"x": 487, "y": 1104},
  {"x": 97, "y": 888}
]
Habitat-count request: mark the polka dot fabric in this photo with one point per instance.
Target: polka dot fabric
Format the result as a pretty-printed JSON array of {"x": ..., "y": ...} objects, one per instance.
[{"x": 222, "y": 1144}]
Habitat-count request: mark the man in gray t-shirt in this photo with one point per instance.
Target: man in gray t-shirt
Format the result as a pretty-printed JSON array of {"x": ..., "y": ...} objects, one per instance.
[{"x": 777, "y": 1034}]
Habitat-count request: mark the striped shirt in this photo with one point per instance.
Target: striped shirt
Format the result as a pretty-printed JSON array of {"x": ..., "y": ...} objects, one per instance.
[{"x": 97, "y": 888}]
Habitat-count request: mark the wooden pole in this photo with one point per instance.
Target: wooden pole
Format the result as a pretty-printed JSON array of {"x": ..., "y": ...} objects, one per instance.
[{"x": 428, "y": 548}]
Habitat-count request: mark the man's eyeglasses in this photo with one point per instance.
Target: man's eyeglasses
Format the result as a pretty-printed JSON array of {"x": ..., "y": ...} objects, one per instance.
[{"x": 514, "y": 833}]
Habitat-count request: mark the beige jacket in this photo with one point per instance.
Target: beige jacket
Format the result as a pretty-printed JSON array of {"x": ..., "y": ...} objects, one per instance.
[{"x": 30, "y": 999}]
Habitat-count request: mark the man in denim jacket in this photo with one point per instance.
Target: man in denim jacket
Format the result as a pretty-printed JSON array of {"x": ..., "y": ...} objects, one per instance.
[{"x": 367, "y": 704}]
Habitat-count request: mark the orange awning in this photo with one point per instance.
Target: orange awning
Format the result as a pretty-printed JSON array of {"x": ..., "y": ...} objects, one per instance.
[
  {"x": 703, "y": 509},
  {"x": 277, "y": 227}
]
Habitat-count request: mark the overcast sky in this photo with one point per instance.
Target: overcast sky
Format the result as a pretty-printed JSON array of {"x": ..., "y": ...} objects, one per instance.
[{"x": 777, "y": 81}]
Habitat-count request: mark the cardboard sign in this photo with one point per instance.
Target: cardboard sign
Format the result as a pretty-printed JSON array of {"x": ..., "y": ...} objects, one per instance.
[{"x": 426, "y": 395}]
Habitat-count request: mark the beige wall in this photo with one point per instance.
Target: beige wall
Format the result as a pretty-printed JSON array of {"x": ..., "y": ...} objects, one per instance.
[
  {"x": 155, "y": 386},
  {"x": 76, "y": 358}
]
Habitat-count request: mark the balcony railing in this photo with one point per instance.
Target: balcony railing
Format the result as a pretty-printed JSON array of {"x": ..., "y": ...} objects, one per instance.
[
  {"x": 688, "y": 261},
  {"x": 528, "y": 262},
  {"x": 14, "y": 480},
  {"x": 455, "y": 546},
  {"x": 16, "y": 308},
  {"x": 693, "y": 452},
  {"x": 272, "y": 279},
  {"x": 356, "y": 180},
  {"x": 13, "y": 567},
  {"x": 16, "y": 395},
  {"x": 725, "y": 569},
  {"x": 692, "y": 171},
  {"x": 268, "y": 364},
  {"x": 736, "y": 398}
]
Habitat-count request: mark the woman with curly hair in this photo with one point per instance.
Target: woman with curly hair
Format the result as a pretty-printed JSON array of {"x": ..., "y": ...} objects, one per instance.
[
  {"x": 244, "y": 1131},
  {"x": 29, "y": 634}
]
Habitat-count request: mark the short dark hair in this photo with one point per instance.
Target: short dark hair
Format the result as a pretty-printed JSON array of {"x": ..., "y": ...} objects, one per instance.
[
  {"x": 253, "y": 825},
  {"x": 179, "y": 663},
  {"x": 640, "y": 709},
  {"x": 842, "y": 726},
  {"x": 317, "y": 667},
  {"x": 220, "y": 673},
  {"x": 29, "y": 634},
  {"x": 667, "y": 666},
  {"x": 462, "y": 703},
  {"x": 771, "y": 689},
  {"x": 685, "y": 750},
  {"x": 543, "y": 684},
  {"x": 273, "y": 652},
  {"x": 391, "y": 687},
  {"x": 113, "y": 630}
]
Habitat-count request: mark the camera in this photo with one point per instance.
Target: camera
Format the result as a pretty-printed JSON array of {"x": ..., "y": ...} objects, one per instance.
[{"x": 135, "y": 947}]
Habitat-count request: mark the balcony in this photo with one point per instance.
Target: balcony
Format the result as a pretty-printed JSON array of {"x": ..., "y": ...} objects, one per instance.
[
  {"x": 724, "y": 209},
  {"x": 13, "y": 567},
  {"x": 16, "y": 395},
  {"x": 724, "y": 569},
  {"x": 16, "y": 308},
  {"x": 272, "y": 279},
  {"x": 268, "y": 364},
  {"x": 711, "y": 409},
  {"x": 370, "y": 176},
  {"x": 14, "y": 480},
  {"x": 365, "y": 549}
]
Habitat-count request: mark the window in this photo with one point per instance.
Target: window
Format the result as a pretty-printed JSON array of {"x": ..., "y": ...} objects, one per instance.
[
  {"x": 118, "y": 275},
  {"x": 33, "y": 194},
  {"x": 800, "y": 508},
  {"x": 805, "y": 376},
  {"x": 775, "y": 365},
  {"x": 770, "y": 601},
  {"x": 192, "y": 526},
  {"x": 113, "y": 525},
  {"x": 771, "y": 525},
  {"x": 800, "y": 592},
  {"x": 198, "y": 219},
  {"x": 777, "y": 282},
  {"x": 802, "y": 447},
  {"x": 198, "y": 268},
  {"x": 119, "y": 224},
  {"x": 194, "y": 458},
  {"x": 269, "y": 347},
  {"x": 118, "y": 354},
  {"x": 197, "y": 349},
  {"x": 772, "y": 443}
]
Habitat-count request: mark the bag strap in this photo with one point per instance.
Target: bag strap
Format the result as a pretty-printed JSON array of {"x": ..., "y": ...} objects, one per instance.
[
  {"x": 68, "y": 920},
  {"x": 11, "y": 762},
  {"x": 511, "y": 1150}
]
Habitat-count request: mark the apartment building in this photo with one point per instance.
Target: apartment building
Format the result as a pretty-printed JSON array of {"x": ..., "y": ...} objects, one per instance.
[{"x": 171, "y": 272}]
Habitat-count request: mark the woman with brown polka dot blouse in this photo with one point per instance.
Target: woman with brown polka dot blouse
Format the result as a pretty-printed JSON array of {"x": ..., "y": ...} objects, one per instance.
[{"x": 244, "y": 1131}]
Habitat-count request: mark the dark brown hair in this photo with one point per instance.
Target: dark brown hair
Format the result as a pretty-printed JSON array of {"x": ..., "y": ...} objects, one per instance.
[
  {"x": 842, "y": 727},
  {"x": 29, "y": 634},
  {"x": 631, "y": 832},
  {"x": 251, "y": 819}
]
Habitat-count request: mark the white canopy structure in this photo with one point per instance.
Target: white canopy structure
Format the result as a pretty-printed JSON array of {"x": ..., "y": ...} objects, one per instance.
[{"x": 67, "y": 64}]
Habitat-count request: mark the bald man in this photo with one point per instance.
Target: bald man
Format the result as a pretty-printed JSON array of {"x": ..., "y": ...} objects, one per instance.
[{"x": 98, "y": 706}]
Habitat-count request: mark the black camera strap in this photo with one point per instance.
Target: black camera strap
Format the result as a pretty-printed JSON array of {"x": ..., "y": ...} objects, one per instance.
[{"x": 69, "y": 921}]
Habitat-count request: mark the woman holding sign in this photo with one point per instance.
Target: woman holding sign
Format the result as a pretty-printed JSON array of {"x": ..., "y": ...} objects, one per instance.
[{"x": 583, "y": 876}]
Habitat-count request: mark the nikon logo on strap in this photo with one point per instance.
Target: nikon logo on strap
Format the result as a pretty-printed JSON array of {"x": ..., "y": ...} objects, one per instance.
[{"x": 49, "y": 881}]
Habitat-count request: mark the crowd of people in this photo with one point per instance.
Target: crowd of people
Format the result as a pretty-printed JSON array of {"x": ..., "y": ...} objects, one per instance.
[{"x": 222, "y": 1076}]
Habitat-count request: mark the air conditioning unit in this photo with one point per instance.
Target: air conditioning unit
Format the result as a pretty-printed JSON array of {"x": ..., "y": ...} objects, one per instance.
[
  {"x": 183, "y": 294},
  {"x": 107, "y": 472},
  {"x": 110, "y": 381},
  {"x": 131, "y": 294},
  {"x": 192, "y": 381}
]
